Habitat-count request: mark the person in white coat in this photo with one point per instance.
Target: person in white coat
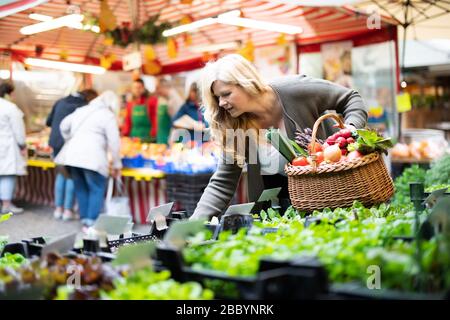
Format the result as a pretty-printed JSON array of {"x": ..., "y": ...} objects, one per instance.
[
  {"x": 89, "y": 133},
  {"x": 12, "y": 148}
]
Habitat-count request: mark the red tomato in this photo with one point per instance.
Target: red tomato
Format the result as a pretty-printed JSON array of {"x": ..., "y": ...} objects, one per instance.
[
  {"x": 319, "y": 157},
  {"x": 300, "y": 161},
  {"x": 317, "y": 148}
]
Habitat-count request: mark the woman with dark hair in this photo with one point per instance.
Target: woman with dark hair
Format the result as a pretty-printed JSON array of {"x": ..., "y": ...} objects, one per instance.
[
  {"x": 12, "y": 148},
  {"x": 191, "y": 108}
]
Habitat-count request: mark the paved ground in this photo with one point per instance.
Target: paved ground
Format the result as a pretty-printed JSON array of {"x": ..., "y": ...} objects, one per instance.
[{"x": 38, "y": 221}]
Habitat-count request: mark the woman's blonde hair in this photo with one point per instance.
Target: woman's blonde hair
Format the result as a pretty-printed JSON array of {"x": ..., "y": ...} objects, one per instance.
[{"x": 235, "y": 70}]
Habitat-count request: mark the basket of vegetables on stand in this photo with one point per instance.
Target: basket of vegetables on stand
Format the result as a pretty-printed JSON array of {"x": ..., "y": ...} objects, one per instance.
[{"x": 348, "y": 166}]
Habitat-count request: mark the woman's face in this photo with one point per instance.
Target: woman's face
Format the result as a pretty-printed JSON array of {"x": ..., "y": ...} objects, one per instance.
[{"x": 231, "y": 97}]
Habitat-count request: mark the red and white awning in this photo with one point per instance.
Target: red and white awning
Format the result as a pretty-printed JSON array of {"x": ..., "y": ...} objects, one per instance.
[{"x": 320, "y": 24}]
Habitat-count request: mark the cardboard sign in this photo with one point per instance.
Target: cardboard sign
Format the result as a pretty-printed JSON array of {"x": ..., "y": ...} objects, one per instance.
[
  {"x": 112, "y": 224},
  {"x": 59, "y": 245}
]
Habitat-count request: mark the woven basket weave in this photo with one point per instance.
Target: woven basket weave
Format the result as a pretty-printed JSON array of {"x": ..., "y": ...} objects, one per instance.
[{"x": 338, "y": 184}]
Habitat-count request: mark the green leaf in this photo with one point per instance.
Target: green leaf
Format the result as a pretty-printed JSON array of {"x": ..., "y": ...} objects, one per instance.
[
  {"x": 5, "y": 217},
  {"x": 263, "y": 215},
  {"x": 299, "y": 149}
]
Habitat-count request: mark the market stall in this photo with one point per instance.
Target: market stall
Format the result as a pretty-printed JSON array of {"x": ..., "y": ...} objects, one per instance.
[{"x": 146, "y": 188}]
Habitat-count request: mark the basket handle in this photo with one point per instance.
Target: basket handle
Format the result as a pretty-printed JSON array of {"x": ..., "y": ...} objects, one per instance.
[{"x": 314, "y": 134}]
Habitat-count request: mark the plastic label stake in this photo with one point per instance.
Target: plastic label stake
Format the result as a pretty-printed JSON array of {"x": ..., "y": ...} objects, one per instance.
[
  {"x": 112, "y": 224},
  {"x": 179, "y": 231},
  {"x": 269, "y": 194},
  {"x": 137, "y": 255},
  {"x": 59, "y": 245},
  {"x": 244, "y": 208}
]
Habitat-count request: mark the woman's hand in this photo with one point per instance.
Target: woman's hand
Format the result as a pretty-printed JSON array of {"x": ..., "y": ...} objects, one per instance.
[{"x": 347, "y": 126}]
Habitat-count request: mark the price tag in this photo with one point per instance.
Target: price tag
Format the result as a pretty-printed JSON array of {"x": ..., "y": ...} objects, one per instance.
[
  {"x": 244, "y": 208},
  {"x": 132, "y": 61},
  {"x": 440, "y": 216},
  {"x": 179, "y": 231},
  {"x": 160, "y": 222},
  {"x": 137, "y": 255},
  {"x": 112, "y": 224},
  {"x": 59, "y": 245},
  {"x": 236, "y": 221},
  {"x": 269, "y": 194},
  {"x": 403, "y": 102},
  {"x": 431, "y": 200},
  {"x": 163, "y": 210}
]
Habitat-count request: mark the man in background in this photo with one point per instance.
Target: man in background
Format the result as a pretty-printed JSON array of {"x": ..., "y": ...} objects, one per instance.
[
  {"x": 169, "y": 102},
  {"x": 140, "y": 115}
]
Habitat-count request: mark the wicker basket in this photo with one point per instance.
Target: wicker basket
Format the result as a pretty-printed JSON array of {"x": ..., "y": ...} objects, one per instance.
[{"x": 338, "y": 184}]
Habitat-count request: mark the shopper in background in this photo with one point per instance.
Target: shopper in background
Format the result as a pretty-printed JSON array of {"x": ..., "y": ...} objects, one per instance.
[
  {"x": 90, "y": 132},
  {"x": 236, "y": 97},
  {"x": 140, "y": 115},
  {"x": 12, "y": 148},
  {"x": 191, "y": 110},
  {"x": 64, "y": 188},
  {"x": 168, "y": 103}
]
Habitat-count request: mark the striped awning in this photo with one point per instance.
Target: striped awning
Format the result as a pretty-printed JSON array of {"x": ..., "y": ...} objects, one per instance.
[{"x": 320, "y": 24}]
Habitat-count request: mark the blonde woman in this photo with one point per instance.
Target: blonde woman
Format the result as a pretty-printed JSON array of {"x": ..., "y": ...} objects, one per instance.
[{"x": 236, "y": 97}]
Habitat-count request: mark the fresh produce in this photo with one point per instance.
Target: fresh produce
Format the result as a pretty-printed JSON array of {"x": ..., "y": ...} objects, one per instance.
[
  {"x": 401, "y": 184},
  {"x": 369, "y": 141},
  {"x": 88, "y": 274},
  {"x": 304, "y": 138},
  {"x": 300, "y": 161},
  {"x": 3, "y": 239},
  {"x": 146, "y": 284},
  {"x": 439, "y": 172},
  {"x": 346, "y": 241},
  {"x": 438, "y": 187},
  {"x": 419, "y": 150},
  {"x": 358, "y": 143},
  {"x": 354, "y": 155},
  {"x": 12, "y": 260},
  {"x": 332, "y": 153}
]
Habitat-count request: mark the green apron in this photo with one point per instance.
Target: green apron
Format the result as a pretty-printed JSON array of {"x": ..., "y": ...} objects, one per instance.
[
  {"x": 141, "y": 124},
  {"x": 164, "y": 124}
]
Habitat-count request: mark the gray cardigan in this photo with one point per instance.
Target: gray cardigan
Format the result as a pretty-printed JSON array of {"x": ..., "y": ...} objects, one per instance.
[{"x": 304, "y": 100}]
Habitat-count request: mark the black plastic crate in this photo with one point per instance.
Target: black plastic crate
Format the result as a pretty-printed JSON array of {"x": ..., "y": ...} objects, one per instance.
[
  {"x": 295, "y": 279},
  {"x": 16, "y": 247},
  {"x": 186, "y": 190}
]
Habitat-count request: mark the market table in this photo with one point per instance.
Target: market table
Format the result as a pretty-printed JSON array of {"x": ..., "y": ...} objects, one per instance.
[{"x": 146, "y": 188}]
